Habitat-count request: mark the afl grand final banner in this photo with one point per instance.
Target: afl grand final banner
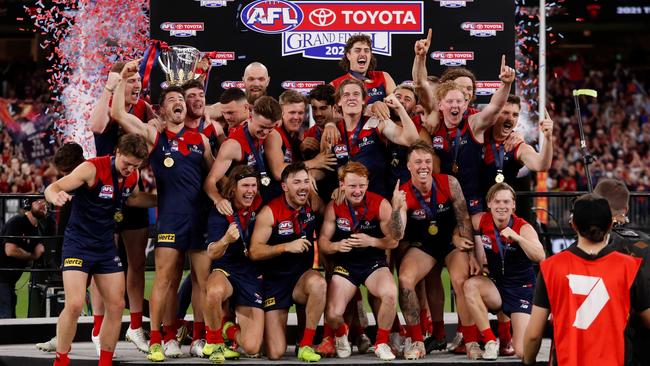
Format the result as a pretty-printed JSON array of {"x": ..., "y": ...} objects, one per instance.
[{"x": 301, "y": 41}]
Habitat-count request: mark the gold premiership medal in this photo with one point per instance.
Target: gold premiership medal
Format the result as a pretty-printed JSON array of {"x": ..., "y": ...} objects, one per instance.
[
  {"x": 168, "y": 162},
  {"x": 433, "y": 228},
  {"x": 454, "y": 168},
  {"x": 118, "y": 216},
  {"x": 266, "y": 181},
  {"x": 499, "y": 178}
]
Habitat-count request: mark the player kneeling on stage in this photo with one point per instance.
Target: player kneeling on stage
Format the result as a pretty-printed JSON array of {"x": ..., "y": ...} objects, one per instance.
[
  {"x": 283, "y": 242},
  {"x": 357, "y": 233},
  {"x": 511, "y": 247},
  {"x": 436, "y": 207},
  {"x": 101, "y": 188},
  {"x": 233, "y": 275}
]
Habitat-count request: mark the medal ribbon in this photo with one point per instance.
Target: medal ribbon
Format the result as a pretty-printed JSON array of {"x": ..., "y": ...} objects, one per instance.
[
  {"x": 497, "y": 235},
  {"x": 167, "y": 150},
  {"x": 243, "y": 232},
  {"x": 149, "y": 60},
  {"x": 355, "y": 136},
  {"x": 201, "y": 124},
  {"x": 287, "y": 143},
  {"x": 256, "y": 152},
  {"x": 119, "y": 192},
  {"x": 431, "y": 207},
  {"x": 498, "y": 152},
  {"x": 353, "y": 215},
  {"x": 457, "y": 145},
  {"x": 359, "y": 75}
]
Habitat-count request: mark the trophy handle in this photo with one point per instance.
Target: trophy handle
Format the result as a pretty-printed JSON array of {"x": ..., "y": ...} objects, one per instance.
[{"x": 165, "y": 68}]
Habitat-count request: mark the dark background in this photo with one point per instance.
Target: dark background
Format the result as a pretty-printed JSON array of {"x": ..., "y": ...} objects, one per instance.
[{"x": 224, "y": 32}]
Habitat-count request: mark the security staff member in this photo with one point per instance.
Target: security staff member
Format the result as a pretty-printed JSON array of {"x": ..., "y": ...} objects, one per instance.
[
  {"x": 592, "y": 272},
  {"x": 635, "y": 243}
]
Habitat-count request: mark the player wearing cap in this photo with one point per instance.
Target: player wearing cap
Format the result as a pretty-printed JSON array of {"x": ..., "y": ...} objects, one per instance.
[{"x": 589, "y": 288}]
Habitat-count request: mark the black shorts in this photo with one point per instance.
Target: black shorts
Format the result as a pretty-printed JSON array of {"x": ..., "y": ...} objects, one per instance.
[
  {"x": 278, "y": 290},
  {"x": 246, "y": 282},
  {"x": 516, "y": 299},
  {"x": 358, "y": 273},
  {"x": 439, "y": 252}
]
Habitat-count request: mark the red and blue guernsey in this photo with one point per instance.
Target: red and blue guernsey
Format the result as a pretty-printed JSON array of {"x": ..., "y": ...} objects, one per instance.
[
  {"x": 423, "y": 212},
  {"x": 460, "y": 156},
  {"x": 180, "y": 185},
  {"x": 363, "y": 219},
  {"x": 106, "y": 141},
  {"x": 364, "y": 145},
  {"x": 252, "y": 154},
  {"x": 92, "y": 224},
  {"x": 375, "y": 84},
  {"x": 208, "y": 131},
  {"x": 496, "y": 159},
  {"x": 290, "y": 224},
  {"x": 509, "y": 266},
  {"x": 218, "y": 224}
]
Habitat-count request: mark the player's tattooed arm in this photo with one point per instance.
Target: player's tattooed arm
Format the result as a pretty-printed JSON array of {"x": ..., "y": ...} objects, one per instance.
[
  {"x": 396, "y": 225},
  {"x": 460, "y": 209}
]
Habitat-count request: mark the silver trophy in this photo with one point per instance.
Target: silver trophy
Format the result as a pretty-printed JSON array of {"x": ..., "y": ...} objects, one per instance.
[{"x": 178, "y": 63}]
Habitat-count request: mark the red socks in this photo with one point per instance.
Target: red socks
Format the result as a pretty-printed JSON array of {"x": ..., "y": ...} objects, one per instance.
[
  {"x": 169, "y": 332},
  {"x": 504, "y": 332},
  {"x": 307, "y": 337},
  {"x": 155, "y": 337},
  {"x": 61, "y": 359},
  {"x": 232, "y": 331},
  {"x": 382, "y": 336},
  {"x": 198, "y": 330},
  {"x": 488, "y": 335},
  {"x": 105, "y": 358},
  {"x": 470, "y": 333},
  {"x": 213, "y": 336},
  {"x": 136, "y": 320},
  {"x": 415, "y": 331},
  {"x": 439, "y": 329},
  {"x": 342, "y": 330},
  {"x": 327, "y": 331},
  {"x": 97, "y": 324}
]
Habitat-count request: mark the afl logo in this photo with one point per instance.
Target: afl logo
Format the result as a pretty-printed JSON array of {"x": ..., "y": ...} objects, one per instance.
[
  {"x": 343, "y": 224},
  {"x": 285, "y": 228},
  {"x": 322, "y": 17},
  {"x": 271, "y": 17}
]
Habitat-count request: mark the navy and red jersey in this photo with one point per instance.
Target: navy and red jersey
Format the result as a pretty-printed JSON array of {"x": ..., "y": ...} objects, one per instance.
[
  {"x": 92, "y": 225},
  {"x": 368, "y": 149},
  {"x": 397, "y": 157},
  {"x": 417, "y": 219},
  {"x": 218, "y": 225},
  {"x": 207, "y": 129},
  {"x": 590, "y": 303},
  {"x": 459, "y": 144},
  {"x": 375, "y": 84},
  {"x": 106, "y": 142},
  {"x": 180, "y": 187},
  {"x": 367, "y": 222},
  {"x": 314, "y": 131},
  {"x": 290, "y": 224},
  {"x": 509, "y": 265},
  {"x": 492, "y": 149},
  {"x": 247, "y": 155}
]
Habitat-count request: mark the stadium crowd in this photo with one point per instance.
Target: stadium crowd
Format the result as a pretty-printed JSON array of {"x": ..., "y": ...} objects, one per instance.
[{"x": 390, "y": 177}]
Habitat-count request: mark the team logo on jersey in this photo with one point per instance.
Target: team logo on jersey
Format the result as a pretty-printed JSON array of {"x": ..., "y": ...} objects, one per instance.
[
  {"x": 285, "y": 227},
  {"x": 319, "y": 29},
  {"x": 73, "y": 262},
  {"x": 487, "y": 243},
  {"x": 174, "y": 146},
  {"x": 301, "y": 86},
  {"x": 250, "y": 160},
  {"x": 213, "y": 3},
  {"x": 341, "y": 151},
  {"x": 453, "y": 3},
  {"x": 373, "y": 92},
  {"x": 343, "y": 224},
  {"x": 233, "y": 84},
  {"x": 419, "y": 214},
  {"x": 438, "y": 142},
  {"x": 487, "y": 87},
  {"x": 482, "y": 29},
  {"x": 453, "y": 58},
  {"x": 166, "y": 238},
  {"x": 269, "y": 302},
  {"x": 187, "y": 29},
  {"x": 341, "y": 270},
  {"x": 106, "y": 192}
]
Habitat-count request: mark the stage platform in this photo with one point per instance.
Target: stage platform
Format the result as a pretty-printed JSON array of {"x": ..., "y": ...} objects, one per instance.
[{"x": 84, "y": 354}]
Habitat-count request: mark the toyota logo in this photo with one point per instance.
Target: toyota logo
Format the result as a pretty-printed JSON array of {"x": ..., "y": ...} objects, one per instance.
[{"x": 322, "y": 17}]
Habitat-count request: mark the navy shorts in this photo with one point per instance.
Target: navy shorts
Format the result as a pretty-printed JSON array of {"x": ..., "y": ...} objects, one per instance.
[
  {"x": 245, "y": 279},
  {"x": 438, "y": 251},
  {"x": 516, "y": 299},
  {"x": 358, "y": 273},
  {"x": 103, "y": 262},
  {"x": 278, "y": 290},
  {"x": 181, "y": 232},
  {"x": 475, "y": 204}
]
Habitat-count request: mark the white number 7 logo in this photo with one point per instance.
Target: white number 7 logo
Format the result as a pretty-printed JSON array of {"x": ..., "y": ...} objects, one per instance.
[{"x": 597, "y": 297}]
